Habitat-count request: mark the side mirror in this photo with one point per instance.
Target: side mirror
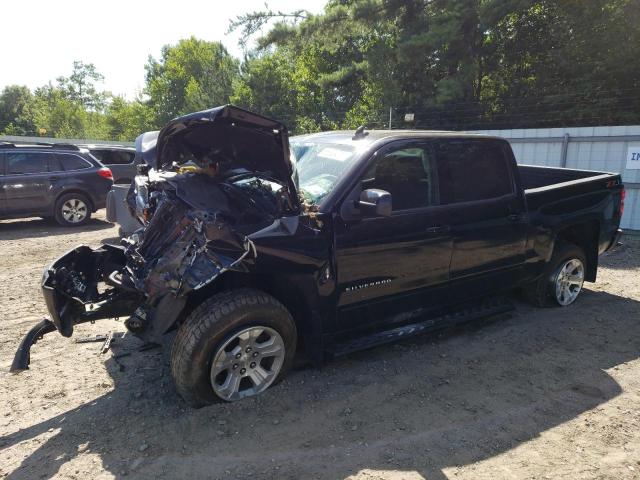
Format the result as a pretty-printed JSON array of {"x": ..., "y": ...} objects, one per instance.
[{"x": 375, "y": 202}]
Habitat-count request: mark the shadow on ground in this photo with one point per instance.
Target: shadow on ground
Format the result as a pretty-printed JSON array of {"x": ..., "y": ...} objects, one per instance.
[
  {"x": 421, "y": 406},
  {"x": 40, "y": 227}
]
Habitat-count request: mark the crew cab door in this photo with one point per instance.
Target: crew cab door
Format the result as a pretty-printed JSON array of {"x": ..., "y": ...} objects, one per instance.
[
  {"x": 384, "y": 263},
  {"x": 486, "y": 209},
  {"x": 27, "y": 182}
]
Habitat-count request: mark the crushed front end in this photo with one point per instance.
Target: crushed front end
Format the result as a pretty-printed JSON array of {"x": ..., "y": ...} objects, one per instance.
[{"x": 197, "y": 222}]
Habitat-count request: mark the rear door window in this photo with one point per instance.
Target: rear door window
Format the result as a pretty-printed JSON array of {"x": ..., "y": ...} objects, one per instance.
[
  {"x": 114, "y": 157},
  {"x": 472, "y": 170},
  {"x": 26, "y": 162},
  {"x": 73, "y": 162}
]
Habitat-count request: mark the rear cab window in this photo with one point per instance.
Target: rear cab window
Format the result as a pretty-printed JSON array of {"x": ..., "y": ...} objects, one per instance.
[{"x": 471, "y": 170}]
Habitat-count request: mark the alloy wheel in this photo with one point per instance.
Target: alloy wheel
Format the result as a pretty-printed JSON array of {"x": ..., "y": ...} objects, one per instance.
[
  {"x": 74, "y": 210},
  {"x": 569, "y": 280},
  {"x": 247, "y": 363}
]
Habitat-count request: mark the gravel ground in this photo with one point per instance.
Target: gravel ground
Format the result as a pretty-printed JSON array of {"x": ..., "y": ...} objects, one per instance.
[{"x": 536, "y": 394}]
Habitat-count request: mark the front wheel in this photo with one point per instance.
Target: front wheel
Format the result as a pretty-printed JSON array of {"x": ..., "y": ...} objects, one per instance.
[
  {"x": 235, "y": 345},
  {"x": 562, "y": 280}
]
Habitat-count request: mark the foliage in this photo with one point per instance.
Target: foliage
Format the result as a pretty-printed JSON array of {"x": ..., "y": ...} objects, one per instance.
[
  {"x": 126, "y": 120},
  {"x": 266, "y": 85},
  {"x": 80, "y": 88},
  {"x": 462, "y": 63},
  {"x": 190, "y": 76},
  {"x": 16, "y": 110},
  {"x": 458, "y": 64}
]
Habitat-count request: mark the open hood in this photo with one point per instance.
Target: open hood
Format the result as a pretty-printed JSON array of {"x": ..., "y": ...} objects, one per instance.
[{"x": 229, "y": 136}]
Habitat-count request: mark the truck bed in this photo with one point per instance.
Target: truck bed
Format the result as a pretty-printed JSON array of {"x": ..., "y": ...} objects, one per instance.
[
  {"x": 543, "y": 185},
  {"x": 534, "y": 177}
]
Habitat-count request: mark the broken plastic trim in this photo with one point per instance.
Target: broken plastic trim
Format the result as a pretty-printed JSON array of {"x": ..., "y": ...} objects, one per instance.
[{"x": 22, "y": 357}]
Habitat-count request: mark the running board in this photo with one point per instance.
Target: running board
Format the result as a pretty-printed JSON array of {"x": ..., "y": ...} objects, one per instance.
[{"x": 475, "y": 312}]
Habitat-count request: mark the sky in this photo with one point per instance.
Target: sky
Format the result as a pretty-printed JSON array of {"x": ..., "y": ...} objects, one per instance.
[{"x": 41, "y": 39}]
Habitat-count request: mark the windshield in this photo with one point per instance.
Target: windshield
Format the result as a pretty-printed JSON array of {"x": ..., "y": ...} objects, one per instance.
[{"x": 320, "y": 166}]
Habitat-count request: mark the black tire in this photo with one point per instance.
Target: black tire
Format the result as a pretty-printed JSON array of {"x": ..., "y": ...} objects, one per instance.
[
  {"x": 75, "y": 199},
  {"x": 541, "y": 293},
  {"x": 211, "y": 325}
]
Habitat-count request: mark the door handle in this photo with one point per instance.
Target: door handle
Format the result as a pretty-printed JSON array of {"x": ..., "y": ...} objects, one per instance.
[
  {"x": 439, "y": 229},
  {"x": 514, "y": 217},
  {"x": 54, "y": 178}
]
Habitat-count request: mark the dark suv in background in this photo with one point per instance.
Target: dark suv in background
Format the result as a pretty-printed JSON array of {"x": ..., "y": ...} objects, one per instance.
[
  {"x": 60, "y": 181},
  {"x": 120, "y": 159}
]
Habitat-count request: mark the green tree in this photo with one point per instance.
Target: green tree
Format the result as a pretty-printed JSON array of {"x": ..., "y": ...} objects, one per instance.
[
  {"x": 569, "y": 62},
  {"x": 190, "y": 76},
  {"x": 73, "y": 108},
  {"x": 59, "y": 116},
  {"x": 127, "y": 120},
  {"x": 80, "y": 86},
  {"x": 326, "y": 58},
  {"x": 16, "y": 111},
  {"x": 460, "y": 63},
  {"x": 266, "y": 85}
]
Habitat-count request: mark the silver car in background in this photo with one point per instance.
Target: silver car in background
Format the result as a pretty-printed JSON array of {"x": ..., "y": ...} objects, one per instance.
[{"x": 122, "y": 160}]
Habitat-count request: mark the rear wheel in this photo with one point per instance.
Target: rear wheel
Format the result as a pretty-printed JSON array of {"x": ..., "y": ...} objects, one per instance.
[
  {"x": 72, "y": 210},
  {"x": 235, "y": 345},
  {"x": 562, "y": 280}
]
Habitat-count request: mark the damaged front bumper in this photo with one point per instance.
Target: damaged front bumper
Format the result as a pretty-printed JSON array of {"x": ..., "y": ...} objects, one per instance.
[
  {"x": 82, "y": 286},
  {"x": 148, "y": 281},
  {"x": 86, "y": 285}
]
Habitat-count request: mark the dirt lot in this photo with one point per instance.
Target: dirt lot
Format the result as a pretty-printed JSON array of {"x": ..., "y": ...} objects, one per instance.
[{"x": 535, "y": 394}]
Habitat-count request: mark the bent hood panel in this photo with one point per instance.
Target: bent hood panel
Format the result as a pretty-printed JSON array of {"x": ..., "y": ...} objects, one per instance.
[{"x": 245, "y": 139}]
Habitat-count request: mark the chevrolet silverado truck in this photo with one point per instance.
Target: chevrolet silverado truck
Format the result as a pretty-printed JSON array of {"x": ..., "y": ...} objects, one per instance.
[{"x": 363, "y": 238}]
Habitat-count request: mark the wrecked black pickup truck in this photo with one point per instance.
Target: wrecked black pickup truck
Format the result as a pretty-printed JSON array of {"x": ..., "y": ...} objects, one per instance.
[{"x": 253, "y": 249}]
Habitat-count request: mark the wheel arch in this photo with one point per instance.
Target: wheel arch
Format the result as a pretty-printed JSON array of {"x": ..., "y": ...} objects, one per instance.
[{"x": 289, "y": 291}]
